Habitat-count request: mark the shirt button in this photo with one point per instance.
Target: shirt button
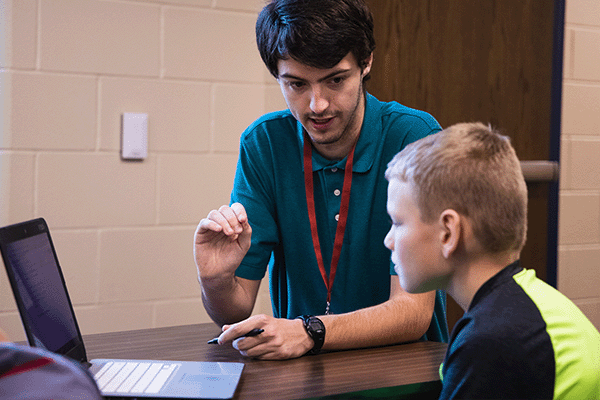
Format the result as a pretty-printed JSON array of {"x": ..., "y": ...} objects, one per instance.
[
  {"x": 333, "y": 169},
  {"x": 337, "y": 217},
  {"x": 337, "y": 192}
]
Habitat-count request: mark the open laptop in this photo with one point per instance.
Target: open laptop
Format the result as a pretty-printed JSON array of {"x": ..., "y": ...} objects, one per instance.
[{"x": 49, "y": 321}]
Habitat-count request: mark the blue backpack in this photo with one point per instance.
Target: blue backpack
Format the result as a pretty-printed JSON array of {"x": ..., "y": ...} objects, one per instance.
[{"x": 32, "y": 373}]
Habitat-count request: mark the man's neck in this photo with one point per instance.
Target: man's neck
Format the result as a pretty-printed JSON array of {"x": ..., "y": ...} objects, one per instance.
[{"x": 338, "y": 150}]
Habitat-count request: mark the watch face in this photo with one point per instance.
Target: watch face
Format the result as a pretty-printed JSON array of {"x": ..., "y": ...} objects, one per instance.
[{"x": 315, "y": 326}]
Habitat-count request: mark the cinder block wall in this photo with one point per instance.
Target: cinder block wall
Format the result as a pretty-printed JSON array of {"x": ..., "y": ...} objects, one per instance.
[
  {"x": 123, "y": 230},
  {"x": 579, "y": 215}
]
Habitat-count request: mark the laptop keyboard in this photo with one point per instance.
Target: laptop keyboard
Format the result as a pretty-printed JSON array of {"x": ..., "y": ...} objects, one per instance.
[{"x": 134, "y": 377}]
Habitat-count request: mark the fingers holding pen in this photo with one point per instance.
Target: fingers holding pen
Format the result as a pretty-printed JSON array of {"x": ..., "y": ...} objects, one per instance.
[
  {"x": 247, "y": 328},
  {"x": 246, "y": 335},
  {"x": 279, "y": 338}
]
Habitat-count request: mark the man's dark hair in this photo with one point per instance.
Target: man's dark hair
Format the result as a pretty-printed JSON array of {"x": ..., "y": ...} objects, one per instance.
[{"x": 317, "y": 33}]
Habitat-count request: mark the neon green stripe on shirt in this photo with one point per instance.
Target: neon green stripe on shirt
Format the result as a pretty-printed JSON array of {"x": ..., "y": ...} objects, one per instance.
[{"x": 576, "y": 342}]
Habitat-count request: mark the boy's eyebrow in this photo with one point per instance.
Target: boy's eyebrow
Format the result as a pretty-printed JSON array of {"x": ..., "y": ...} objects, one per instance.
[{"x": 331, "y": 75}]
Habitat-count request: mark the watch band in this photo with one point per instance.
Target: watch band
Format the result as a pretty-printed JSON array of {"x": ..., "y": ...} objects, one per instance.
[{"x": 316, "y": 330}]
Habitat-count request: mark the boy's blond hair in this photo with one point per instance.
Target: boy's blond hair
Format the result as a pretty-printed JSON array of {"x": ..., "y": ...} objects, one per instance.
[{"x": 472, "y": 169}]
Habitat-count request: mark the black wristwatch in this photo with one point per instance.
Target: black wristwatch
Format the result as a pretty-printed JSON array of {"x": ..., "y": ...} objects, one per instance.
[{"x": 316, "y": 330}]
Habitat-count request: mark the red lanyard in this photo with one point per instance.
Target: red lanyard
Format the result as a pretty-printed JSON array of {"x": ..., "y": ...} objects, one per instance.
[{"x": 343, "y": 215}]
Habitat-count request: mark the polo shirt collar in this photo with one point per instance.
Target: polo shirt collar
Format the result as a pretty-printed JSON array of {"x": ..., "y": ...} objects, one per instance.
[{"x": 366, "y": 147}]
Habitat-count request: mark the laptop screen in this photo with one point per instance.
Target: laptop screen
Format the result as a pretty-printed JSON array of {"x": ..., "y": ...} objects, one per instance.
[
  {"x": 49, "y": 321},
  {"x": 39, "y": 290}
]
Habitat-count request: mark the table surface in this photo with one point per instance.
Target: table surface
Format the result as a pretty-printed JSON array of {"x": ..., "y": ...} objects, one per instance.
[{"x": 329, "y": 374}]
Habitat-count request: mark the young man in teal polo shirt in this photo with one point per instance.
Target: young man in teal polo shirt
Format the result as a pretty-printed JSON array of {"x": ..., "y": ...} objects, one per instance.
[{"x": 309, "y": 199}]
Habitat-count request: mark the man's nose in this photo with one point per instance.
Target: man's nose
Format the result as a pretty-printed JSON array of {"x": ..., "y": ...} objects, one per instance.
[{"x": 318, "y": 101}]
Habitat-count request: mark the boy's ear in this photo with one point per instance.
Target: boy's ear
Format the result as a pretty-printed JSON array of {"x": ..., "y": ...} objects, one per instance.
[{"x": 450, "y": 222}]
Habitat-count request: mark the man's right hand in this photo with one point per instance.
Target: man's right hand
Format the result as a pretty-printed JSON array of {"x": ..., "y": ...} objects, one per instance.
[{"x": 221, "y": 241}]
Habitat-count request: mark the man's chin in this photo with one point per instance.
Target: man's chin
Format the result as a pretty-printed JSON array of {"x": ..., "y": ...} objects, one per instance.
[{"x": 323, "y": 139}]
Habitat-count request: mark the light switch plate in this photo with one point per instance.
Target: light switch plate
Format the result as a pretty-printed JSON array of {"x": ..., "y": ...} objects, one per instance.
[{"x": 134, "y": 139}]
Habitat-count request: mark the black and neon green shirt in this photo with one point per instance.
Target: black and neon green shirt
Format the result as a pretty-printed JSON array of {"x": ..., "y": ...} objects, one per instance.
[{"x": 522, "y": 339}]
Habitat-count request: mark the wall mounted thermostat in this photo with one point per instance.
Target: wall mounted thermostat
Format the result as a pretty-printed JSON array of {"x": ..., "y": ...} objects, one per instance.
[{"x": 134, "y": 138}]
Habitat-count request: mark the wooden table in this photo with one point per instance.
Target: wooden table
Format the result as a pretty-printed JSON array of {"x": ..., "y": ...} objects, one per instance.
[{"x": 400, "y": 371}]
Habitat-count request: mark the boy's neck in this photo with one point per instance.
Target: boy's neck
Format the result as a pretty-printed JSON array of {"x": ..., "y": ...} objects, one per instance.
[{"x": 468, "y": 277}]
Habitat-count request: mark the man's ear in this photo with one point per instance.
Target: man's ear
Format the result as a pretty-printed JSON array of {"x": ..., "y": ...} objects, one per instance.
[
  {"x": 367, "y": 65},
  {"x": 450, "y": 223}
]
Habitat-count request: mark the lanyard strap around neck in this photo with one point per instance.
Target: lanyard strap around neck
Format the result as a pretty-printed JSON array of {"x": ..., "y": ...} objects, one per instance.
[{"x": 343, "y": 215}]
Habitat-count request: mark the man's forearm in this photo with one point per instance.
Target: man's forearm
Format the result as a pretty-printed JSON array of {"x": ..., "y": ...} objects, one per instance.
[
  {"x": 226, "y": 299},
  {"x": 403, "y": 318}
]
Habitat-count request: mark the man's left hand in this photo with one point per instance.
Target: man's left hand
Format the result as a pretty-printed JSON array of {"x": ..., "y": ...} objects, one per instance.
[{"x": 281, "y": 339}]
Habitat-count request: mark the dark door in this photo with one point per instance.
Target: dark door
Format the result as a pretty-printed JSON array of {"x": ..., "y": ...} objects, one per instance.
[{"x": 481, "y": 60}]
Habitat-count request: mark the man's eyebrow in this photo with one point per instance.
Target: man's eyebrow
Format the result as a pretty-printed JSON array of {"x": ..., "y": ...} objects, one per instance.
[{"x": 331, "y": 75}]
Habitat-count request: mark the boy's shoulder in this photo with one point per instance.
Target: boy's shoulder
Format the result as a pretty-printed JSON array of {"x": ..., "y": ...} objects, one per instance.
[
  {"x": 502, "y": 320},
  {"x": 33, "y": 373},
  {"x": 483, "y": 359},
  {"x": 519, "y": 323}
]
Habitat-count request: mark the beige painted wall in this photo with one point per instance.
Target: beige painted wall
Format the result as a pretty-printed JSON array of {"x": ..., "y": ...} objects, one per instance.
[
  {"x": 579, "y": 215},
  {"x": 123, "y": 230}
]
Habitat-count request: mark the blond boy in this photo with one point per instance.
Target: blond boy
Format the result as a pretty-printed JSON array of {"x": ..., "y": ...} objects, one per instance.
[{"x": 458, "y": 203}]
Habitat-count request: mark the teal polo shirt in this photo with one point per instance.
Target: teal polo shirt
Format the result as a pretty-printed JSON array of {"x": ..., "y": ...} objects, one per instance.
[{"x": 269, "y": 182}]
